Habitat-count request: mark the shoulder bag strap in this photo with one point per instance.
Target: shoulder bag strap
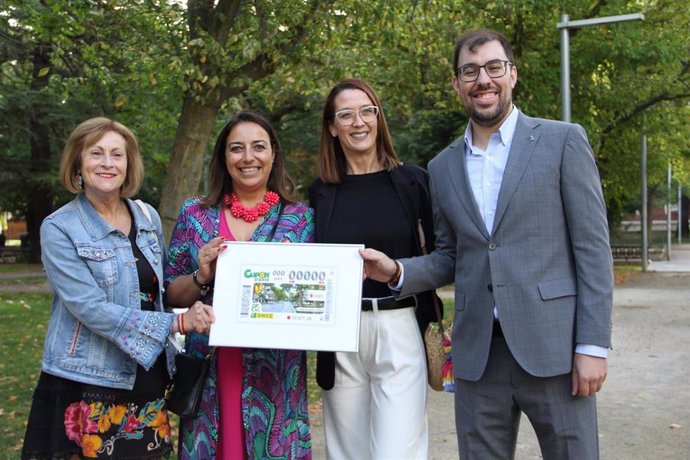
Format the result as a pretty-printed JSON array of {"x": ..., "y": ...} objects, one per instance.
[
  {"x": 144, "y": 209},
  {"x": 434, "y": 297}
]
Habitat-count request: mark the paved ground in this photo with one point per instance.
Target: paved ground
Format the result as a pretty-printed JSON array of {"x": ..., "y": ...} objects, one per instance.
[
  {"x": 6, "y": 286},
  {"x": 644, "y": 407}
]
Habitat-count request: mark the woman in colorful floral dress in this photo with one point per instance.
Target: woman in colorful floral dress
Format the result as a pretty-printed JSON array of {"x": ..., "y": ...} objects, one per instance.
[
  {"x": 254, "y": 403},
  {"x": 107, "y": 357}
]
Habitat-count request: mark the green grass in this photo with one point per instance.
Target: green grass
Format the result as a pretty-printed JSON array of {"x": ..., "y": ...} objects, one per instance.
[
  {"x": 313, "y": 389},
  {"x": 627, "y": 266},
  {"x": 15, "y": 268},
  {"x": 23, "y": 321}
]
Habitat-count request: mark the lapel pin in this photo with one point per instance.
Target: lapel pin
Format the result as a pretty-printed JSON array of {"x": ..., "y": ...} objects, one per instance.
[{"x": 531, "y": 139}]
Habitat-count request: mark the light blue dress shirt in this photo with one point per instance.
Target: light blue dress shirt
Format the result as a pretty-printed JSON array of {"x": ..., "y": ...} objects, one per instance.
[{"x": 485, "y": 168}]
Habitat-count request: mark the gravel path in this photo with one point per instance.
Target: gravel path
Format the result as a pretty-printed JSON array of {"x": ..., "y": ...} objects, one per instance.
[
  {"x": 19, "y": 287},
  {"x": 644, "y": 407}
]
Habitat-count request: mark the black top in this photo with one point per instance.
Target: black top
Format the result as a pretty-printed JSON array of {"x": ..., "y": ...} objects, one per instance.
[
  {"x": 148, "y": 291},
  {"x": 148, "y": 281},
  {"x": 367, "y": 210},
  {"x": 383, "y": 211}
]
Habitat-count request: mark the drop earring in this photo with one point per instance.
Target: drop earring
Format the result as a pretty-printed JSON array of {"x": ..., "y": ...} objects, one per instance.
[{"x": 80, "y": 180}]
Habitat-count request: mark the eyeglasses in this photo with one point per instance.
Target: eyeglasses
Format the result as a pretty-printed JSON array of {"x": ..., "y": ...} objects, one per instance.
[
  {"x": 347, "y": 117},
  {"x": 494, "y": 69}
]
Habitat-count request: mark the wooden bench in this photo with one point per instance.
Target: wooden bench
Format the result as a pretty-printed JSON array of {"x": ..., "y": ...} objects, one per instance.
[
  {"x": 13, "y": 254},
  {"x": 627, "y": 253}
]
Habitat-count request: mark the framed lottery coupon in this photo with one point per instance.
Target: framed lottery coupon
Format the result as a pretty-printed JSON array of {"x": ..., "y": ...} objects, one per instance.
[{"x": 288, "y": 295}]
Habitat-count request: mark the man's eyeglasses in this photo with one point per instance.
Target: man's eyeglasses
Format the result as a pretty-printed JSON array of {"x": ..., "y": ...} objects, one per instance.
[
  {"x": 347, "y": 117},
  {"x": 494, "y": 69}
]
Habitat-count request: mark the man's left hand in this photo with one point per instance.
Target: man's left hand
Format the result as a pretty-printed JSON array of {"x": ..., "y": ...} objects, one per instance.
[{"x": 589, "y": 373}]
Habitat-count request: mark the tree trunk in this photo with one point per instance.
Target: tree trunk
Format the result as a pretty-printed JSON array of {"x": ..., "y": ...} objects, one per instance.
[
  {"x": 40, "y": 199},
  {"x": 194, "y": 130},
  {"x": 40, "y": 202}
]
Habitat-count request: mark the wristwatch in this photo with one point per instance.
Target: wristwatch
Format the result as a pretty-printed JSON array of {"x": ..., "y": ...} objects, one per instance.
[{"x": 204, "y": 288}]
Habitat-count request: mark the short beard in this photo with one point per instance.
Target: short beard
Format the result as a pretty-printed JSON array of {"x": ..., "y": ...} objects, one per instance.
[{"x": 487, "y": 120}]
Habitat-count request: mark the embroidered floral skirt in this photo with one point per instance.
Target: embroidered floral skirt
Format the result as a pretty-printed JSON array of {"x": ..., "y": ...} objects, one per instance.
[{"x": 91, "y": 421}]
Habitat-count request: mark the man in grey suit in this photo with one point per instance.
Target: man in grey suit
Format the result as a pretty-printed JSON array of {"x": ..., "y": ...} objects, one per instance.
[{"x": 521, "y": 229}]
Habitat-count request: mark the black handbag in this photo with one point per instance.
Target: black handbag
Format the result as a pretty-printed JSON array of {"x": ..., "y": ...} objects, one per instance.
[{"x": 183, "y": 395}]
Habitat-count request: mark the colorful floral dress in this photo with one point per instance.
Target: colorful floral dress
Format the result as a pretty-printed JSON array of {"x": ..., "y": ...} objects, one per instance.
[
  {"x": 274, "y": 383},
  {"x": 69, "y": 417}
]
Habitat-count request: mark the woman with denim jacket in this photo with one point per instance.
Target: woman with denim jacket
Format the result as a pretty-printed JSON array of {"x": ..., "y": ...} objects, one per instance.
[{"x": 108, "y": 355}]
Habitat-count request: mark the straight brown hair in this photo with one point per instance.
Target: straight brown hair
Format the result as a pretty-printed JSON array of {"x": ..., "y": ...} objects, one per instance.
[{"x": 332, "y": 163}]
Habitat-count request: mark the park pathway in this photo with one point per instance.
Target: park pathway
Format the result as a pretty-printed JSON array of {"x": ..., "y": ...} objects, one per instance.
[
  {"x": 643, "y": 407},
  {"x": 679, "y": 261},
  {"x": 11, "y": 282}
]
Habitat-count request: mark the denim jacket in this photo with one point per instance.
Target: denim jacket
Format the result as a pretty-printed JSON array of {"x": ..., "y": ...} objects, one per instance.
[{"x": 97, "y": 332}]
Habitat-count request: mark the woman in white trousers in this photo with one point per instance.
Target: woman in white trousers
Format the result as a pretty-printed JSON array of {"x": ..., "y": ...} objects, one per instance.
[{"x": 375, "y": 399}]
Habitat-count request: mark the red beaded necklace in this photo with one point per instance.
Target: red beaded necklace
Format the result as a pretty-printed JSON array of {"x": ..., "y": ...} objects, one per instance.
[{"x": 239, "y": 211}]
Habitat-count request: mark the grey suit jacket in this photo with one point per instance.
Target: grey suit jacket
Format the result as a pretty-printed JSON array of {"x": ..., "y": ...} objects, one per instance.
[{"x": 547, "y": 263}]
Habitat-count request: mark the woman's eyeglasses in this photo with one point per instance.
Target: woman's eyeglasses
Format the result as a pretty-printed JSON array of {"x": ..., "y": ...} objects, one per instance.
[{"x": 347, "y": 117}]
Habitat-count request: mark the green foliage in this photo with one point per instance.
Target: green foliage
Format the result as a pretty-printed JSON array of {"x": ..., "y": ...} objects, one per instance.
[
  {"x": 103, "y": 61},
  {"x": 163, "y": 70}
]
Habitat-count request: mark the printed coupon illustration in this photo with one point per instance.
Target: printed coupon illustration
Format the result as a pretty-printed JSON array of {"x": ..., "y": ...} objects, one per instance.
[
  {"x": 280, "y": 294},
  {"x": 297, "y": 296}
]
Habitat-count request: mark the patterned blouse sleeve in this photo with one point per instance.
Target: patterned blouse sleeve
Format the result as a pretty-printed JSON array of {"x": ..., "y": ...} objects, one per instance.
[
  {"x": 303, "y": 230},
  {"x": 180, "y": 260}
]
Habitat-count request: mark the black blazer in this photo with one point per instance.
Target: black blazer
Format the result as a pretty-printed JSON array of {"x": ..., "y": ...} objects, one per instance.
[{"x": 411, "y": 183}]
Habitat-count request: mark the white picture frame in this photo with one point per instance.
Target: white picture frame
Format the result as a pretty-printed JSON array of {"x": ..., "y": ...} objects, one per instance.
[{"x": 288, "y": 296}]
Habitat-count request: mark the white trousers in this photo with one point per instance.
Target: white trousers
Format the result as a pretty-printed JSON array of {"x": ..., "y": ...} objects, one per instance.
[{"x": 377, "y": 407}]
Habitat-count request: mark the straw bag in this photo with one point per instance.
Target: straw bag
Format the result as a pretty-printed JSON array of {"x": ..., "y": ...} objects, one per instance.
[
  {"x": 438, "y": 359},
  {"x": 439, "y": 362}
]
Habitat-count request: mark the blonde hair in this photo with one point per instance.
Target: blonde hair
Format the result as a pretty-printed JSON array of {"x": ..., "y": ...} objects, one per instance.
[{"x": 86, "y": 135}]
